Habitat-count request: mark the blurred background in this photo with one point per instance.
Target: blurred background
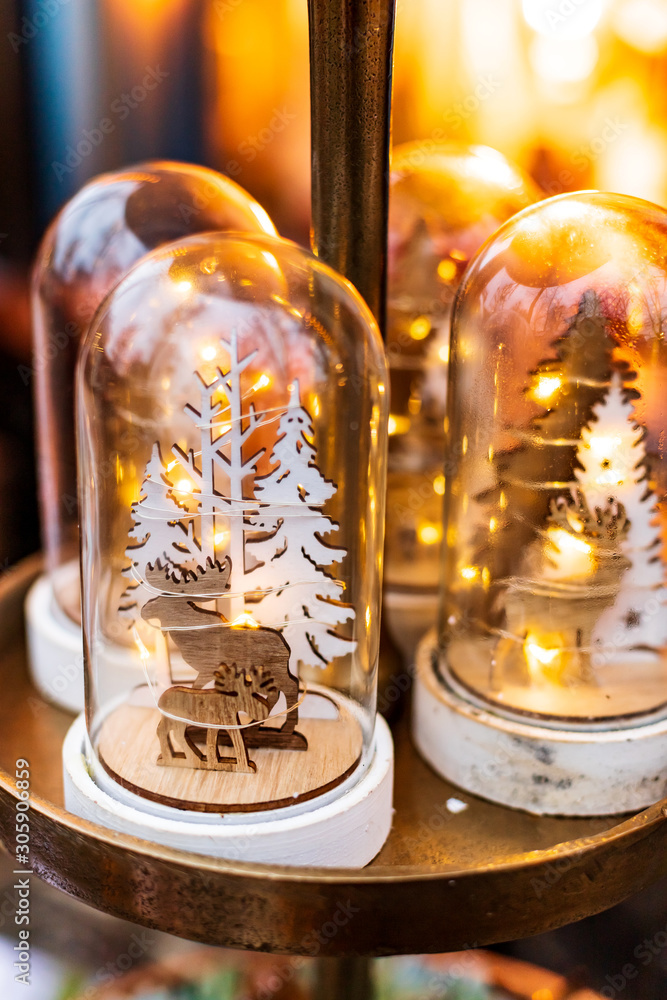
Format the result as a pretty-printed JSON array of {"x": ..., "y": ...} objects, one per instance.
[{"x": 574, "y": 91}]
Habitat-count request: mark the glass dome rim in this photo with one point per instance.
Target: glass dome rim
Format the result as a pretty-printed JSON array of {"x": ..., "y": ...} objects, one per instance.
[
  {"x": 107, "y": 178},
  {"x": 361, "y": 308},
  {"x": 456, "y": 148},
  {"x": 478, "y": 259}
]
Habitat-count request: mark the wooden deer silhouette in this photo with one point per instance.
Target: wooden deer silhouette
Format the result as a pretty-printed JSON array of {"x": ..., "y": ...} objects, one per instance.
[
  {"x": 235, "y": 692},
  {"x": 207, "y": 641}
]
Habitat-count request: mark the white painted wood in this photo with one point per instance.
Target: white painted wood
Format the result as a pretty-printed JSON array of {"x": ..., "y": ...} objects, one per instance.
[
  {"x": 574, "y": 772},
  {"x": 613, "y": 461},
  {"x": 274, "y": 532},
  {"x": 296, "y": 566},
  {"x": 55, "y": 646},
  {"x": 346, "y": 831}
]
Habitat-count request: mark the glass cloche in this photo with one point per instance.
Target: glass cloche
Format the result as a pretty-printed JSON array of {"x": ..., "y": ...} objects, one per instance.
[
  {"x": 99, "y": 234},
  {"x": 556, "y": 523},
  {"x": 232, "y": 429}
]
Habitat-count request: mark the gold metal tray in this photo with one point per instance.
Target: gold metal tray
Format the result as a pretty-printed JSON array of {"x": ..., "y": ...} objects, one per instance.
[{"x": 444, "y": 881}]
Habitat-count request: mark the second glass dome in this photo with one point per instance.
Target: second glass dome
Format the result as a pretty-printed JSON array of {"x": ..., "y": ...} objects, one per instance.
[{"x": 555, "y": 596}]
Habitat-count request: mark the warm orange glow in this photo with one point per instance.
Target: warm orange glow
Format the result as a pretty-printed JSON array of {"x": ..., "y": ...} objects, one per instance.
[
  {"x": 546, "y": 388},
  {"x": 429, "y": 534},
  {"x": 544, "y": 656},
  {"x": 439, "y": 485},
  {"x": 245, "y": 620},
  {"x": 573, "y": 557},
  {"x": 564, "y": 22},
  {"x": 447, "y": 270},
  {"x": 643, "y": 25},
  {"x": 420, "y": 328},
  {"x": 398, "y": 425}
]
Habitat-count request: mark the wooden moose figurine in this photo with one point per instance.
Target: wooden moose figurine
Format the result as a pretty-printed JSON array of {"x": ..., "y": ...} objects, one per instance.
[
  {"x": 211, "y": 646},
  {"x": 235, "y": 691}
]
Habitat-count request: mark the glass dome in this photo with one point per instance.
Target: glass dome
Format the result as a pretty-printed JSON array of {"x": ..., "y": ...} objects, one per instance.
[
  {"x": 445, "y": 201},
  {"x": 232, "y": 427},
  {"x": 555, "y": 513},
  {"x": 112, "y": 222}
]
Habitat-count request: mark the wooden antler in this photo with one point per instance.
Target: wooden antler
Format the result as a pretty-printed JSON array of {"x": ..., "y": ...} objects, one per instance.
[
  {"x": 612, "y": 523},
  {"x": 605, "y": 525},
  {"x": 211, "y": 579}
]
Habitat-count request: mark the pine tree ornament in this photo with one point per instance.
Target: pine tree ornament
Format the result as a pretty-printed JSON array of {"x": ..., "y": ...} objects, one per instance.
[
  {"x": 613, "y": 468},
  {"x": 294, "y": 557}
]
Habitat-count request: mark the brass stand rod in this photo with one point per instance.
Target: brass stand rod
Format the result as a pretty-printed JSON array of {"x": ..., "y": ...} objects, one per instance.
[
  {"x": 351, "y": 46},
  {"x": 343, "y": 979}
]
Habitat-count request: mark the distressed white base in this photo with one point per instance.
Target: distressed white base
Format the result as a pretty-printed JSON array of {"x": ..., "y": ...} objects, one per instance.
[
  {"x": 344, "y": 832},
  {"x": 573, "y": 772},
  {"x": 55, "y": 647}
]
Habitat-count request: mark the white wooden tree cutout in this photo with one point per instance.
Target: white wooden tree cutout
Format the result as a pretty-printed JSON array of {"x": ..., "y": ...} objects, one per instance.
[
  {"x": 613, "y": 469},
  {"x": 297, "y": 588},
  {"x": 206, "y": 526}
]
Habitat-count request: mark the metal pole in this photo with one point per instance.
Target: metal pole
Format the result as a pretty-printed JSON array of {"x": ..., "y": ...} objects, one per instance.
[
  {"x": 351, "y": 51},
  {"x": 351, "y": 47},
  {"x": 343, "y": 979}
]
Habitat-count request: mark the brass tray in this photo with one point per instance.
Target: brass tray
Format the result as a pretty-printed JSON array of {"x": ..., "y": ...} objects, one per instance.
[{"x": 444, "y": 881}]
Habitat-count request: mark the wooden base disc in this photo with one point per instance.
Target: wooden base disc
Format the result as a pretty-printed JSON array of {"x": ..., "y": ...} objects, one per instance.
[
  {"x": 345, "y": 828},
  {"x": 128, "y": 748}
]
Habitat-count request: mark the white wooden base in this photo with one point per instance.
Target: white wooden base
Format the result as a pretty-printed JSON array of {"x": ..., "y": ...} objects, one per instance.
[
  {"x": 55, "y": 648},
  {"x": 346, "y": 829},
  {"x": 572, "y": 772}
]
